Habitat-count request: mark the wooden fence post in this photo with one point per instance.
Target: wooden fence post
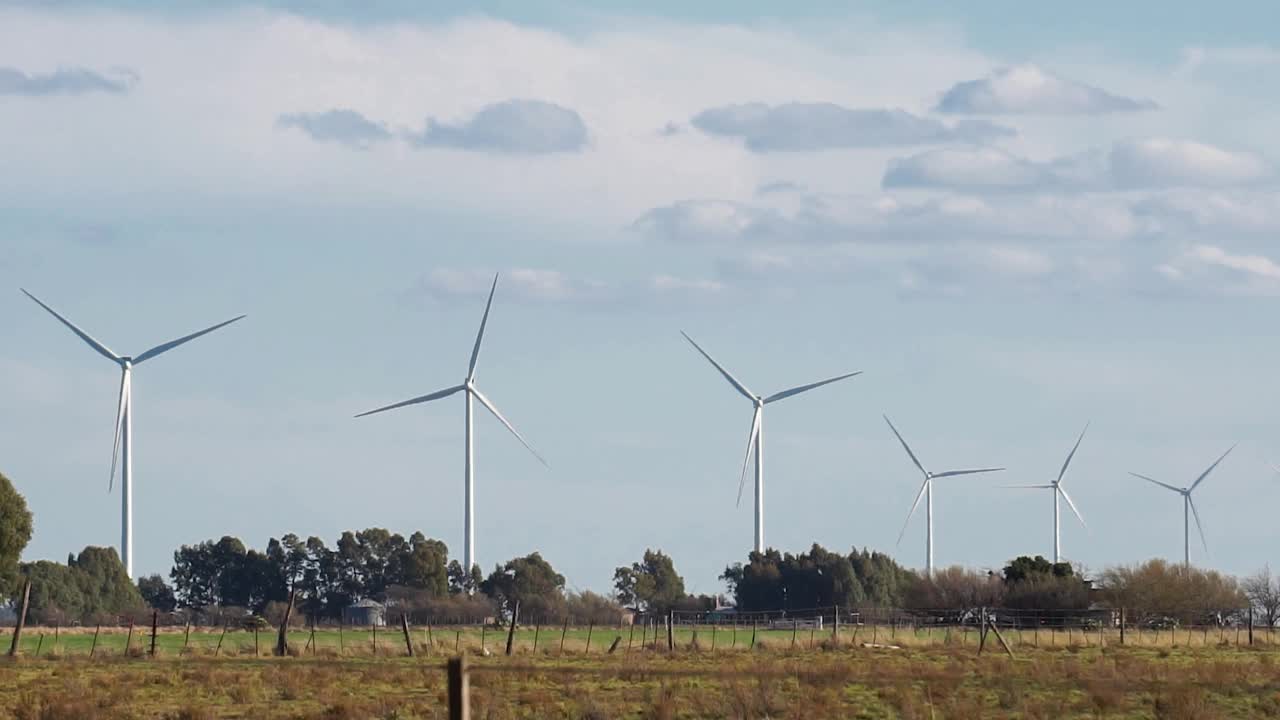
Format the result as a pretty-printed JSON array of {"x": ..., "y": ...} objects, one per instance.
[
  {"x": 39, "y": 644},
  {"x": 714, "y": 627},
  {"x": 564, "y": 631},
  {"x": 431, "y": 641},
  {"x": 155, "y": 620},
  {"x": 375, "y": 636},
  {"x": 537, "y": 630},
  {"x": 671, "y": 631},
  {"x": 835, "y": 627},
  {"x": 408, "y": 639},
  {"x": 220, "y": 639},
  {"x": 753, "y": 633},
  {"x": 282, "y": 640},
  {"x": 631, "y": 637},
  {"x": 1122, "y": 624},
  {"x": 22, "y": 619},
  {"x": 511, "y": 633},
  {"x": 128, "y": 640},
  {"x": 616, "y": 641},
  {"x": 186, "y": 636},
  {"x": 342, "y": 646},
  {"x": 1251, "y": 626},
  {"x": 94, "y": 647},
  {"x": 459, "y": 690},
  {"x": 590, "y": 627}
]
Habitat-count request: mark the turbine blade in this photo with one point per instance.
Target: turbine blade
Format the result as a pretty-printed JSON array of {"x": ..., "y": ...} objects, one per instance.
[
  {"x": 102, "y": 349},
  {"x": 905, "y": 446},
  {"x": 727, "y": 376},
  {"x": 121, "y": 407},
  {"x": 1196, "y": 514},
  {"x": 914, "y": 505},
  {"x": 1205, "y": 474},
  {"x": 1072, "y": 505},
  {"x": 953, "y": 473},
  {"x": 484, "y": 320},
  {"x": 1157, "y": 482},
  {"x": 166, "y": 347},
  {"x": 751, "y": 443},
  {"x": 485, "y": 401},
  {"x": 804, "y": 388},
  {"x": 1028, "y": 487},
  {"x": 1072, "y": 454},
  {"x": 414, "y": 401}
]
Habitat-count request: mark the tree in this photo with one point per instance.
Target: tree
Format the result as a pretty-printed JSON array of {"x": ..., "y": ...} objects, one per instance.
[
  {"x": 1034, "y": 583},
  {"x": 461, "y": 582},
  {"x": 90, "y": 584},
  {"x": 956, "y": 588},
  {"x": 884, "y": 582},
  {"x": 15, "y": 532},
  {"x": 652, "y": 584},
  {"x": 530, "y": 581},
  {"x": 156, "y": 593},
  {"x": 806, "y": 581},
  {"x": 1158, "y": 589},
  {"x": 1263, "y": 592}
]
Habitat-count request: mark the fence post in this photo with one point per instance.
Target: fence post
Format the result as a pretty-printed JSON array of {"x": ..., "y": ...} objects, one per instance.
[
  {"x": 155, "y": 619},
  {"x": 590, "y": 627},
  {"x": 537, "y": 630},
  {"x": 511, "y": 632},
  {"x": 128, "y": 640},
  {"x": 459, "y": 690},
  {"x": 1251, "y": 626},
  {"x": 22, "y": 619},
  {"x": 1122, "y": 623},
  {"x": 94, "y": 647},
  {"x": 753, "y": 633},
  {"x": 408, "y": 639},
  {"x": 186, "y": 636},
  {"x": 630, "y": 638},
  {"x": 835, "y": 627},
  {"x": 431, "y": 640},
  {"x": 564, "y": 631},
  {"x": 220, "y": 639}
]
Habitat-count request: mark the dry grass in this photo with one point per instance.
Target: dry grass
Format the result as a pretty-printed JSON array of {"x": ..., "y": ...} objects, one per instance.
[{"x": 943, "y": 680}]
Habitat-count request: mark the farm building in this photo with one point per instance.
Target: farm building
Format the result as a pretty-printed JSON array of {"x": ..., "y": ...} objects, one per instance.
[{"x": 365, "y": 612}]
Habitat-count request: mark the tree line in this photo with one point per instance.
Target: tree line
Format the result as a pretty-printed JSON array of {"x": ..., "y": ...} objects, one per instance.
[{"x": 220, "y": 580}]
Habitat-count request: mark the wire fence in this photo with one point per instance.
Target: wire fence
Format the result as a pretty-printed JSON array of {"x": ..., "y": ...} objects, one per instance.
[{"x": 711, "y": 631}]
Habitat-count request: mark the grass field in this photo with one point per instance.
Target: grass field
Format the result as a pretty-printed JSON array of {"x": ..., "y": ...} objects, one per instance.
[{"x": 922, "y": 679}]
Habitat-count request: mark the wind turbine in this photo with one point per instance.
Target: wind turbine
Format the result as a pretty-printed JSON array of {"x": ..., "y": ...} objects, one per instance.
[
  {"x": 926, "y": 490},
  {"x": 1189, "y": 505},
  {"x": 755, "y": 440},
  {"x": 472, "y": 393},
  {"x": 1058, "y": 490},
  {"x": 123, "y": 443}
]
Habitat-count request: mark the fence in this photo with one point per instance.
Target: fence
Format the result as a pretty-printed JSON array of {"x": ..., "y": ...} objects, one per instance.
[{"x": 708, "y": 631}]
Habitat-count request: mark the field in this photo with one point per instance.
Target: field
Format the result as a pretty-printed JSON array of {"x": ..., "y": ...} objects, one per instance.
[{"x": 1200, "y": 674}]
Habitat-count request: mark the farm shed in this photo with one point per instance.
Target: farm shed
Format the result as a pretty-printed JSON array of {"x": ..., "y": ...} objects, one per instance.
[{"x": 365, "y": 612}]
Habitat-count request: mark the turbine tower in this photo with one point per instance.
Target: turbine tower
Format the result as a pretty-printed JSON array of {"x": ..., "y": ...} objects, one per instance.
[
  {"x": 123, "y": 443},
  {"x": 755, "y": 440},
  {"x": 926, "y": 490},
  {"x": 472, "y": 393},
  {"x": 1058, "y": 490},
  {"x": 1189, "y": 505}
]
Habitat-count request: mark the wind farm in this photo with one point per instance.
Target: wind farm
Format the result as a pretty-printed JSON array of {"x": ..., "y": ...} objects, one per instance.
[{"x": 564, "y": 257}]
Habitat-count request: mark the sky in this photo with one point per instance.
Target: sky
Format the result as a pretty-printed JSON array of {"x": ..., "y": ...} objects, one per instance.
[{"x": 1014, "y": 220}]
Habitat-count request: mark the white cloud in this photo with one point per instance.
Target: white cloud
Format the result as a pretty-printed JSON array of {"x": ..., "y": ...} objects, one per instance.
[
  {"x": 1128, "y": 165},
  {"x": 672, "y": 284},
  {"x": 1160, "y": 162},
  {"x": 1029, "y": 90},
  {"x": 65, "y": 81},
  {"x": 528, "y": 284},
  {"x": 343, "y": 126},
  {"x": 822, "y": 126},
  {"x": 512, "y": 126},
  {"x": 1255, "y": 265}
]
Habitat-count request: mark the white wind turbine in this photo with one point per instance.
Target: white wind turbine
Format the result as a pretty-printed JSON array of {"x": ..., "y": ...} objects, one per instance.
[
  {"x": 472, "y": 392},
  {"x": 755, "y": 441},
  {"x": 1058, "y": 490},
  {"x": 926, "y": 490},
  {"x": 123, "y": 443},
  {"x": 1189, "y": 505}
]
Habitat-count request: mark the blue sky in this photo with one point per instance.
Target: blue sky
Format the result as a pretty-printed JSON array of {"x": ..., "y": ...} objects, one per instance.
[{"x": 1013, "y": 220}]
